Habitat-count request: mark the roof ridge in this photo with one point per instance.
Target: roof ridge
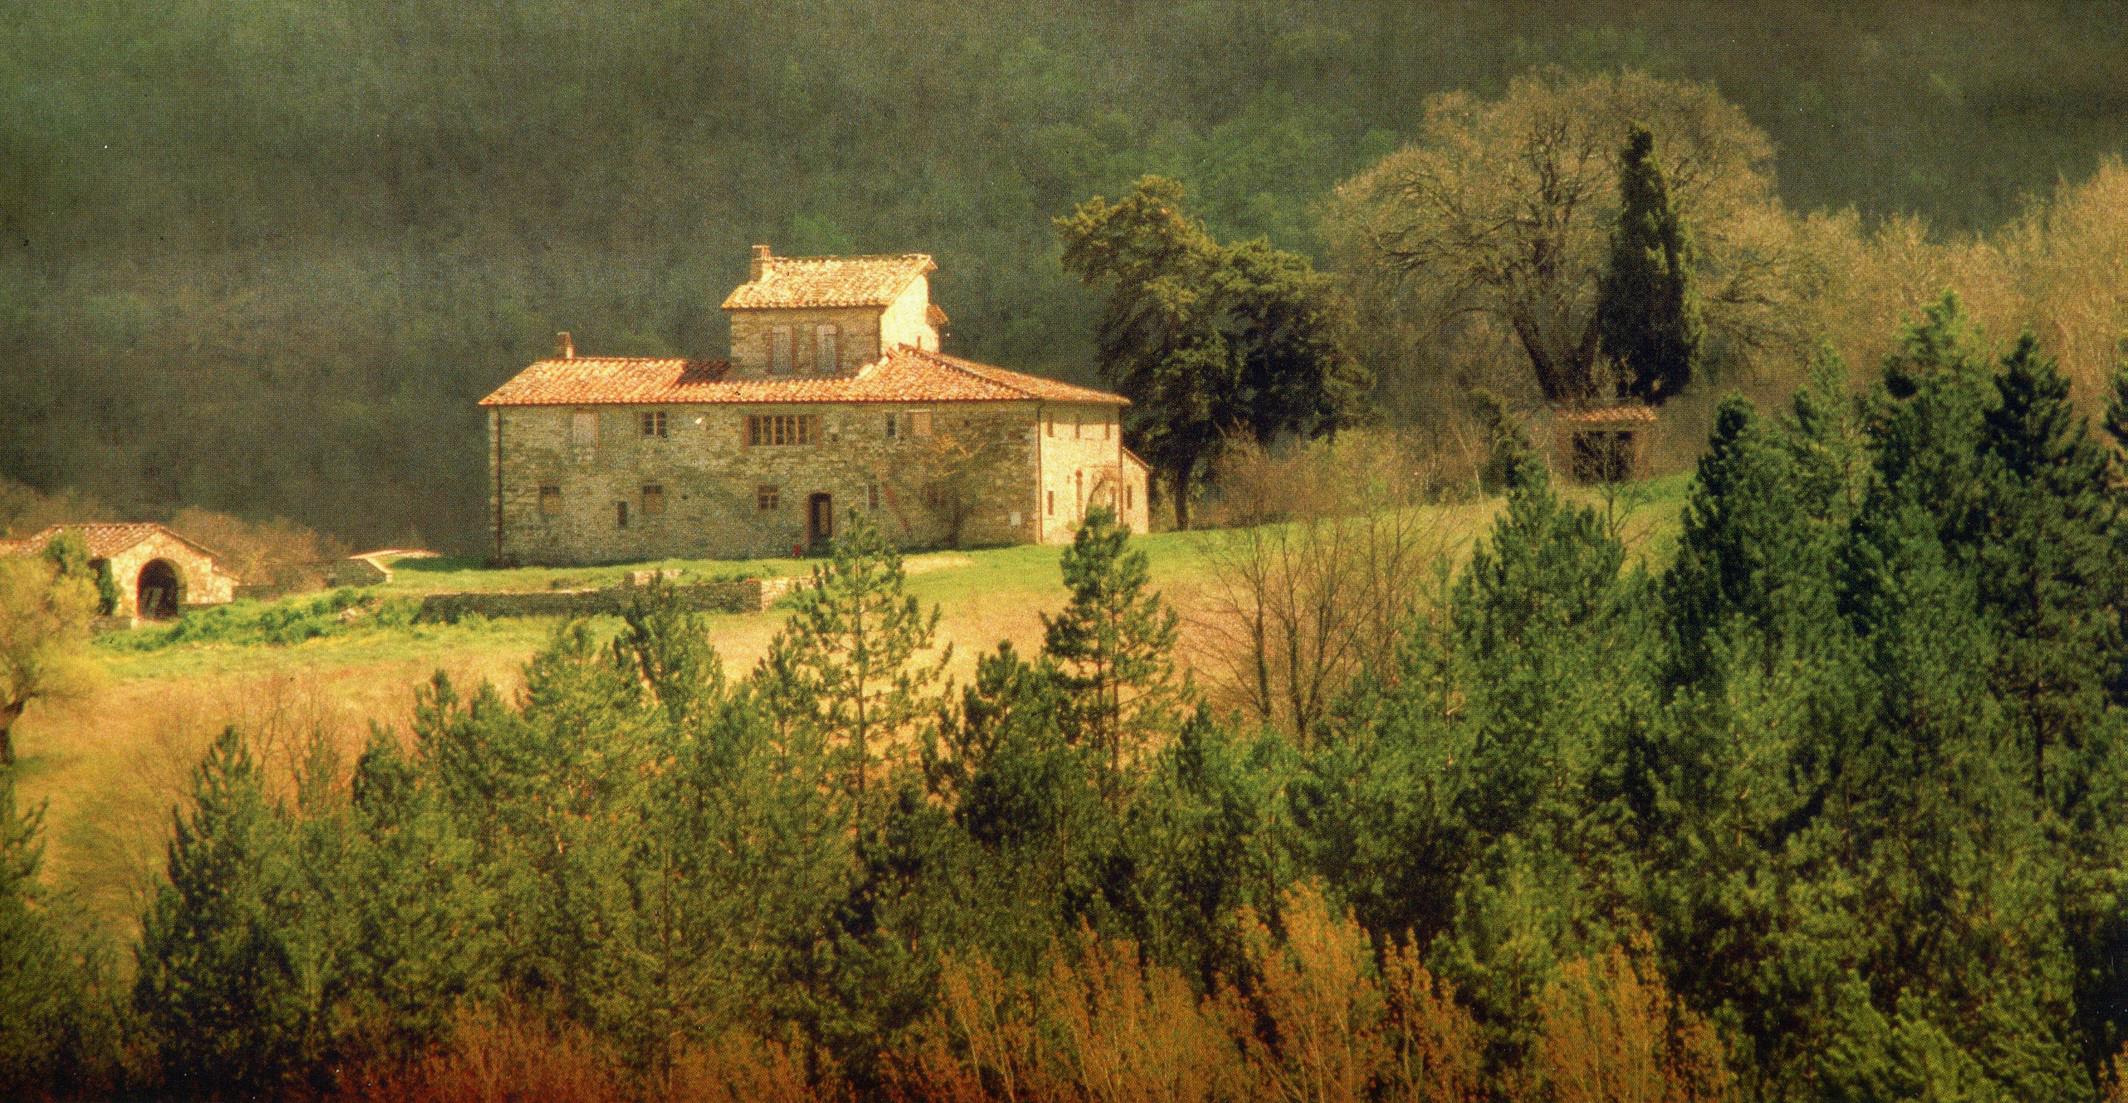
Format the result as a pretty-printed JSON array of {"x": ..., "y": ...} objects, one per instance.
[
  {"x": 780, "y": 258},
  {"x": 968, "y": 367}
]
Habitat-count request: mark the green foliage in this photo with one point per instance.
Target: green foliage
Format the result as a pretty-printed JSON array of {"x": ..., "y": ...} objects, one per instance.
[
  {"x": 55, "y": 1032},
  {"x": 1207, "y": 339},
  {"x": 1646, "y": 308},
  {"x": 276, "y": 624},
  {"x": 849, "y": 664},
  {"x": 161, "y": 293},
  {"x": 1113, "y": 646},
  {"x": 218, "y": 989}
]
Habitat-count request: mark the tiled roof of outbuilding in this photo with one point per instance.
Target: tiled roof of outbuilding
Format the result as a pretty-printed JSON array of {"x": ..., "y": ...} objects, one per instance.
[
  {"x": 787, "y": 282},
  {"x": 903, "y": 375},
  {"x": 1627, "y": 412}
]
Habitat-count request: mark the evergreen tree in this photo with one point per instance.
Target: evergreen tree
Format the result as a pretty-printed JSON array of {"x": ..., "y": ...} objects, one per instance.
[
  {"x": 1113, "y": 644},
  {"x": 1207, "y": 339},
  {"x": 849, "y": 662},
  {"x": 1646, "y": 309},
  {"x": 46, "y": 1027},
  {"x": 423, "y": 944},
  {"x": 216, "y": 985},
  {"x": 2047, "y": 567}
]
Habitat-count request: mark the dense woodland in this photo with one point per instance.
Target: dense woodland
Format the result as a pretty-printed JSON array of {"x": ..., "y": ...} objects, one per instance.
[
  {"x": 1825, "y": 808},
  {"x": 261, "y": 258}
]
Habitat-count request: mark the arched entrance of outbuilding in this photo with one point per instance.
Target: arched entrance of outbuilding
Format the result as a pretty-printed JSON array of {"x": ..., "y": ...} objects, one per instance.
[{"x": 159, "y": 590}]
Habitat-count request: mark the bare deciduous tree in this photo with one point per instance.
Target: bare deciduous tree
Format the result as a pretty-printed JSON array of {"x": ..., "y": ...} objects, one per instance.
[{"x": 1326, "y": 559}]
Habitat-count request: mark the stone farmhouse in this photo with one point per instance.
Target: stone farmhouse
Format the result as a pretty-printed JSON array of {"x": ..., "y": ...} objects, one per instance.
[
  {"x": 835, "y": 402},
  {"x": 158, "y": 572}
]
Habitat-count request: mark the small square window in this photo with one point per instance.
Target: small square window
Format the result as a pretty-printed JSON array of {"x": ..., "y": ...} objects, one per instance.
[
  {"x": 653, "y": 499},
  {"x": 653, "y": 422},
  {"x": 920, "y": 423},
  {"x": 550, "y": 500},
  {"x": 765, "y": 498}
]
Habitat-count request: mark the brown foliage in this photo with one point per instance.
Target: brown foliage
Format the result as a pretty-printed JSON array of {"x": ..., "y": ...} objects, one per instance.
[
  {"x": 1324, "y": 1019},
  {"x": 503, "y": 1058},
  {"x": 512, "y": 1056},
  {"x": 1342, "y": 1023},
  {"x": 1330, "y": 558},
  {"x": 278, "y": 553},
  {"x": 1610, "y": 1032}
]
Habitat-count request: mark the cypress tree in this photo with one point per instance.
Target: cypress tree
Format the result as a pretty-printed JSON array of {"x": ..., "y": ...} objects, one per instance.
[{"x": 1646, "y": 309}]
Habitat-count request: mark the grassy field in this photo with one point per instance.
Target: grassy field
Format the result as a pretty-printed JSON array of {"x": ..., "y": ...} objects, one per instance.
[{"x": 113, "y": 763}]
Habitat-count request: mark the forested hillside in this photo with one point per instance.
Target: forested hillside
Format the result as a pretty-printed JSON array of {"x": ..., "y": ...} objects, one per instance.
[{"x": 261, "y": 258}]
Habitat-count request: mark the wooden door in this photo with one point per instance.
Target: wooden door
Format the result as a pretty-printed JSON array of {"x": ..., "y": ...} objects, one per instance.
[{"x": 819, "y": 521}]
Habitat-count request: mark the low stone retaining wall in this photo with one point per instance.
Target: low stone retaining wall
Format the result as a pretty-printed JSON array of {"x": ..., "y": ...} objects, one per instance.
[{"x": 740, "y": 595}]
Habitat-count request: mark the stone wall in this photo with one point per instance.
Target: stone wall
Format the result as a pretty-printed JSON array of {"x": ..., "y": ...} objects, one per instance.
[
  {"x": 743, "y": 595},
  {"x": 1083, "y": 466},
  {"x": 199, "y": 581},
  {"x": 711, "y": 478},
  {"x": 857, "y": 338}
]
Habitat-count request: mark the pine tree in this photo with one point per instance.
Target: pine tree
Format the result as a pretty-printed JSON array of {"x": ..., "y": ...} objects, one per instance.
[
  {"x": 1113, "y": 644},
  {"x": 2047, "y": 568},
  {"x": 216, "y": 989},
  {"x": 1647, "y": 311},
  {"x": 424, "y": 916},
  {"x": 42, "y": 993},
  {"x": 849, "y": 662}
]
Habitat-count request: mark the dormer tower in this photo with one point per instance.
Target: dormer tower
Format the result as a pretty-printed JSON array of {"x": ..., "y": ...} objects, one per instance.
[{"x": 828, "y": 316}]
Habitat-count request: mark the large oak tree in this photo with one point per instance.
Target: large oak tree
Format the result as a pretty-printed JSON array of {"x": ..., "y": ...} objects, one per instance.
[{"x": 1493, "y": 227}]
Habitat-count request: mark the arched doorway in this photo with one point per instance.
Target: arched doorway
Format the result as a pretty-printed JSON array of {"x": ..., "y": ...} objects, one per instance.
[{"x": 159, "y": 590}]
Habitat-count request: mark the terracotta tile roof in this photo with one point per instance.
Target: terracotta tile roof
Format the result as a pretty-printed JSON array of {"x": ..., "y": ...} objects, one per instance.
[
  {"x": 904, "y": 375},
  {"x": 829, "y": 281},
  {"x": 1606, "y": 415},
  {"x": 103, "y": 539}
]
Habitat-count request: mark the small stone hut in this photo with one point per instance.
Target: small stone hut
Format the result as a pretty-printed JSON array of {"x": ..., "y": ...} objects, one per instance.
[
  {"x": 159, "y": 573},
  {"x": 1602, "y": 444}
]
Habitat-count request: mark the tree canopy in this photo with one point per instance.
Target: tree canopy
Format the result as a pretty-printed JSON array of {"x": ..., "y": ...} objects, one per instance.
[{"x": 1208, "y": 339}]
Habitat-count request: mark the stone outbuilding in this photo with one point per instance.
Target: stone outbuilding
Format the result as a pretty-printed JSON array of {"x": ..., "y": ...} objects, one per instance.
[
  {"x": 159, "y": 573},
  {"x": 835, "y": 401},
  {"x": 1602, "y": 444}
]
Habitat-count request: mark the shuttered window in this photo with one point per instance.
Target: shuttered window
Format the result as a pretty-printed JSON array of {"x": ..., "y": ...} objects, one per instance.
[
  {"x": 825, "y": 352},
  {"x": 779, "y": 350}
]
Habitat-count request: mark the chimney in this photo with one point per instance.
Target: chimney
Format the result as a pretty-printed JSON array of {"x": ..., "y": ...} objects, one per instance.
[
  {"x": 758, "y": 267},
  {"x": 564, "y": 348}
]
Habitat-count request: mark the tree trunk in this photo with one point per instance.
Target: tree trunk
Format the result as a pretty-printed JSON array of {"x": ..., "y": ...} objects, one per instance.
[
  {"x": 9, "y": 713},
  {"x": 1179, "y": 485}
]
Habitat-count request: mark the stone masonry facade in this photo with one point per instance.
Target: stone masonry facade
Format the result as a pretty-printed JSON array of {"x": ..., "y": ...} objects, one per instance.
[{"x": 835, "y": 403}]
